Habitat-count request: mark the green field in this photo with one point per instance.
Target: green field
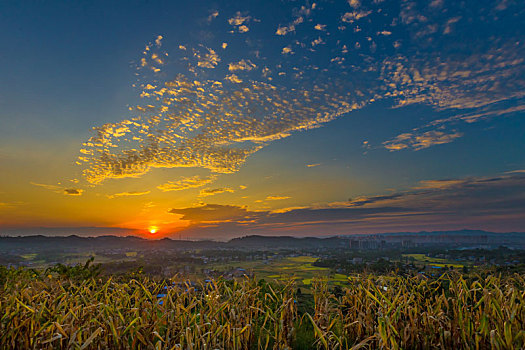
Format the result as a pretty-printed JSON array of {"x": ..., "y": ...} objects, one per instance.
[
  {"x": 425, "y": 260},
  {"x": 298, "y": 268}
]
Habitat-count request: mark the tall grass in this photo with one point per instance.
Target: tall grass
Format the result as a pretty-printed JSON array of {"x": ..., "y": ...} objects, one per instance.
[
  {"x": 376, "y": 312},
  {"x": 449, "y": 312}
]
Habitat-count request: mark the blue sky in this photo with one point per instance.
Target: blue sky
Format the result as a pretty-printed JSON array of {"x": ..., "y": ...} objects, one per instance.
[{"x": 286, "y": 109}]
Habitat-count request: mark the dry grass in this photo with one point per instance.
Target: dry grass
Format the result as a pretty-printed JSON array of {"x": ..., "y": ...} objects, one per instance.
[
  {"x": 377, "y": 312},
  {"x": 450, "y": 312}
]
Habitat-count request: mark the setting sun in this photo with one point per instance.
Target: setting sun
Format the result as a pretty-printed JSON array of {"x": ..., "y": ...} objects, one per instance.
[{"x": 153, "y": 229}]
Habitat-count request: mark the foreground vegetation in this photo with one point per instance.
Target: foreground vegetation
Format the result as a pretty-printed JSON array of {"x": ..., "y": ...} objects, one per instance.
[{"x": 72, "y": 307}]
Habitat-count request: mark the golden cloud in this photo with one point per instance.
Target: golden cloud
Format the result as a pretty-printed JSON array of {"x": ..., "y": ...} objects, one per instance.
[
  {"x": 349, "y": 17},
  {"x": 277, "y": 198},
  {"x": 207, "y": 124},
  {"x": 127, "y": 194},
  {"x": 240, "y": 21},
  {"x": 213, "y": 191},
  {"x": 422, "y": 141},
  {"x": 209, "y": 59},
  {"x": 186, "y": 182},
  {"x": 241, "y": 65}
]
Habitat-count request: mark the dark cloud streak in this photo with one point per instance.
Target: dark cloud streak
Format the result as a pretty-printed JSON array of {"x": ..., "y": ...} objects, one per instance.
[{"x": 473, "y": 202}]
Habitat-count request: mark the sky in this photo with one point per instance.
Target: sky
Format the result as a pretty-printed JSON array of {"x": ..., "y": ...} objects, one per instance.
[{"x": 218, "y": 119}]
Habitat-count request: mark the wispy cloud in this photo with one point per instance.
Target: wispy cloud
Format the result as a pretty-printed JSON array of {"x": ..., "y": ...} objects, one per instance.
[
  {"x": 187, "y": 182},
  {"x": 215, "y": 213},
  {"x": 419, "y": 142},
  {"x": 300, "y": 16},
  {"x": 476, "y": 202},
  {"x": 127, "y": 194},
  {"x": 440, "y": 184},
  {"x": 213, "y": 191},
  {"x": 10, "y": 205},
  {"x": 213, "y": 15},
  {"x": 60, "y": 189},
  {"x": 277, "y": 198},
  {"x": 47, "y": 187}
]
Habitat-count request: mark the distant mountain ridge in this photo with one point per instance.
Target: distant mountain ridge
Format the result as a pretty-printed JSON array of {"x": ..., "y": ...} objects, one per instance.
[
  {"x": 455, "y": 232},
  {"x": 261, "y": 242}
]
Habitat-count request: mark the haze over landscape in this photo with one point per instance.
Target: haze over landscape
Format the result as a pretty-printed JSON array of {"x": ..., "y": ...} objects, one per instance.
[{"x": 212, "y": 120}]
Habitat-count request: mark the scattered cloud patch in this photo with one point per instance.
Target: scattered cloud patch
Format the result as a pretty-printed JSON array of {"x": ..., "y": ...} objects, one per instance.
[
  {"x": 246, "y": 65},
  {"x": 350, "y": 17},
  {"x": 284, "y": 30},
  {"x": 210, "y": 59},
  {"x": 354, "y": 3},
  {"x": 158, "y": 41},
  {"x": 240, "y": 22},
  {"x": 287, "y": 50},
  {"x": 212, "y": 119},
  {"x": 209, "y": 124},
  {"x": 300, "y": 16},
  {"x": 232, "y": 78}
]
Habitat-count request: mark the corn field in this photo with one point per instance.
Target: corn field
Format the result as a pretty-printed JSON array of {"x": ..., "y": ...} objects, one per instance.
[{"x": 373, "y": 312}]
